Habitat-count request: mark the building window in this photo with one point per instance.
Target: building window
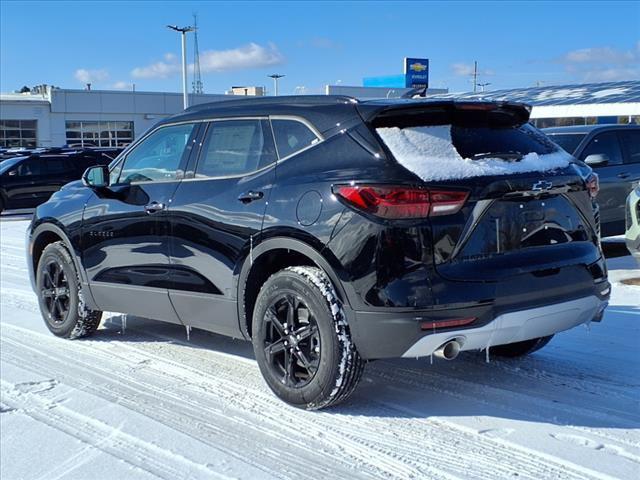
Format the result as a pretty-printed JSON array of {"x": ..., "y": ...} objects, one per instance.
[
  {"x": 99, "y": 134},
  {"x": 18, "y": 133}
]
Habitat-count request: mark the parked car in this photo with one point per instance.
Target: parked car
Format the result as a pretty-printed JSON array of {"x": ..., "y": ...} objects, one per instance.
[
  {"x": 28, "y": 180},
  {"x": 632, "y": 234},
  {"x": 613, "y": 151},
  {"x": 289, "y": 221}
]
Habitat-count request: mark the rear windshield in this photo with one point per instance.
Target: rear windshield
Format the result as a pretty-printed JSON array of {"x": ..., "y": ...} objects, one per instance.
[
  {"x": 521, "y": 140},
  {"x": 568, "y": 141}
]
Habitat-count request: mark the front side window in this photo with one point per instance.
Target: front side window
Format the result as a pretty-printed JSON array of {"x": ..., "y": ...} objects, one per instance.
[
  {"x": 235, "y": 147},
  {"x": 292, "y": 136},
  {"x": 157, "y": 157},
  {"x": 32, "y": 166},
  {"x": 568, "y": 141},
  {"x": 607, "y": 145},
  {"x": 631, "y": 143}
]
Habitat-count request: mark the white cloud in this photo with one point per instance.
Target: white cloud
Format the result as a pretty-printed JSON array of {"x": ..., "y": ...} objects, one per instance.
[
  {"x": 603, "y": 64},
  {"x": 161, "y": 69},
  {"x": 120, "y": 85},
  {"x": 245, "y": 57},
  {"x": 91, "y": 76},
  {"x": 248, "y": 56},
  {"x": 466, "y": 69}
]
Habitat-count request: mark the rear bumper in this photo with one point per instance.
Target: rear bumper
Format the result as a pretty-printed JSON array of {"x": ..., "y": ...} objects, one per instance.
[
  {"x": 399, "y": 334},
  {"x": 516, "y": 326}
]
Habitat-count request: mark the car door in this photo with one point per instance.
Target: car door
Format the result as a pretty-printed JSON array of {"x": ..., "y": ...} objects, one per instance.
[
  {"x": 124, "y": 232},
  {"x": 60, "y": 171},
  {"x": 24, "y": 183},
  {"x": 613, "y": 186},
  {"x": 216, "y": 214},
  {"x": 630, "y": 141}
]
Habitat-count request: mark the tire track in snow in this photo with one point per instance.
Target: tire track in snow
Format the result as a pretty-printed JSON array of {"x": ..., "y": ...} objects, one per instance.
[
  {"x": 134, "y": 451},
  {"x": 481, "y": 456}
]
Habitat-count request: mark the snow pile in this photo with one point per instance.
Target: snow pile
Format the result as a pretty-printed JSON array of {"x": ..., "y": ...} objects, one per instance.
[{"x": 429, "y": 153}]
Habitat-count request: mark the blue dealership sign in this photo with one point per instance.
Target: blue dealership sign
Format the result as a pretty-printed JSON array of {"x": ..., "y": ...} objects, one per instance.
[{"x": 416, "y": 72}]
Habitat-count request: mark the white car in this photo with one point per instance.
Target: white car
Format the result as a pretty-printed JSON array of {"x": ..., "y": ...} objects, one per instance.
[{"x": 633, "y": 222}]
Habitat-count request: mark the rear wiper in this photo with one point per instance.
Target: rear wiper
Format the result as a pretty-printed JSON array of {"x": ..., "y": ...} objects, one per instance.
[{"x": 508, "y": 156}]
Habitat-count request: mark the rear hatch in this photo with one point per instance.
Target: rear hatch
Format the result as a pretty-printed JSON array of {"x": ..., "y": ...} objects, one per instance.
[{"x": 528, "y": 209}]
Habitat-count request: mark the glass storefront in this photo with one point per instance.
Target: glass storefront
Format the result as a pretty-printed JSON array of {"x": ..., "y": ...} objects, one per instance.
[
  {"x": 18, "y": 133},
  {"x": 99, "y": 134}
]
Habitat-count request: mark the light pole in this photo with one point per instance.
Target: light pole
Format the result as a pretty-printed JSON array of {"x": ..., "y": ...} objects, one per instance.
[
  {"x": 183, "y": 31},
  {"x": 275, "y": 77}
]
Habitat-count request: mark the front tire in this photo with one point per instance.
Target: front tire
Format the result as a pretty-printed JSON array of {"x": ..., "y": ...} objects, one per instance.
[
  {"x": 60, "y": 295},
  {"x": 520, "y": 349},
  {"x": 302, "y": 342}
]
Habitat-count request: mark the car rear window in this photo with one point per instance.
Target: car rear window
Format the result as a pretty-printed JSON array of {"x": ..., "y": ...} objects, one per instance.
[
  {"x": 446, "y": 152},
  {"x": 567, "y": 141}
]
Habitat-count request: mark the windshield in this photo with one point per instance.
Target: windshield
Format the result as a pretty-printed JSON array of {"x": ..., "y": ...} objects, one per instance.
[
  {"x": 9, "y": 163},
  {"x": 568, "y": 141}
]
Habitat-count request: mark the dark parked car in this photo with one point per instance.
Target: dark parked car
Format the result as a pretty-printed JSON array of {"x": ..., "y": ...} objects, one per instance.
[
  {"x": 613, "y": 151},
  {"x": 288, "y": 221},
  {"x": 28, "y": 180}
]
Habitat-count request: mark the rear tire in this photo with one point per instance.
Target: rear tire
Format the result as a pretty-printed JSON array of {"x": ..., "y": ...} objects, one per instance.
[
  {"x": 520, "y": 349},
  {"x": 60, "y": 295},
  {"x": 302, "y": 342}
]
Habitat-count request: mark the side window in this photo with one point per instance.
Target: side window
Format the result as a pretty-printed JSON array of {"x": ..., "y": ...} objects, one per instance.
[
  {"x": 157, "y": 157},
  {"x": 235, "y": 147},
  {"x": 57, "y": 166},
  {"x": 631, "y": 144},
  {"x": 292, "y": 136},
  {"x": 32, "y": 166},
  {"x": 604, "y": 144}
]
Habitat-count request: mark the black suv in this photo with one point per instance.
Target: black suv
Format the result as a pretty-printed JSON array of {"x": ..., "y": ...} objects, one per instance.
[
  {"x": 613, "y": 151},
  {"x": 290, "y": 222},
  {"x": 31, "y": 178}
]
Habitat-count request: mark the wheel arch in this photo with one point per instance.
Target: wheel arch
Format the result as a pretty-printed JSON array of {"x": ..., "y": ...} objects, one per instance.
[
  {"x": 267, "y": 258},
  {"x": 44, "y": 234}
]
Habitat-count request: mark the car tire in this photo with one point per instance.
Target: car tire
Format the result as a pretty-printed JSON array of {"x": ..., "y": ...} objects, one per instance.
[
  {"x": 302, "y": 342},
  {"x": 60, "y": 295},
  {"x": 1, "y": 205},
  {"x": 520, "y": 349}
]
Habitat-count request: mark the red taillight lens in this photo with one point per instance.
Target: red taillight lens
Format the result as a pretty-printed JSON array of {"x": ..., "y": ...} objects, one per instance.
[
  {"x": 398, "y": 202},
  {"x": 454, "y": 322},
  {"x": 593, "y": 184}
]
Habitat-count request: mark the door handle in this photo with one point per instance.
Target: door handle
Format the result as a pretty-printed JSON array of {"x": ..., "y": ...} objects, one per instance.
[
  {"x": 250, "y": 196},
  {"x": 154, "y": 207},
  {"x": 624, "y": 175}
]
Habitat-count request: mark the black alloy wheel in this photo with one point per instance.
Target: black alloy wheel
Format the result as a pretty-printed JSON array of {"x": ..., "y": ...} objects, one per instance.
[{"x": 292, "y": 341}]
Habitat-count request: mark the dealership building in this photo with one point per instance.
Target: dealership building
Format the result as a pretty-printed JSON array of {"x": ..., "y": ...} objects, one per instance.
[{"x": 52, "y": 117}]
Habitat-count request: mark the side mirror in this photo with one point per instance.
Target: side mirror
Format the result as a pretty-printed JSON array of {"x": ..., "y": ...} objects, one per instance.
[
  {"x": 96, "y": 177},
  {"x": 597, "y": 160}
]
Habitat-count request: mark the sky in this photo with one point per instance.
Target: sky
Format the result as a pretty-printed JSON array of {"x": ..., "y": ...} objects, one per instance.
[{"x": 115, "y": 45}]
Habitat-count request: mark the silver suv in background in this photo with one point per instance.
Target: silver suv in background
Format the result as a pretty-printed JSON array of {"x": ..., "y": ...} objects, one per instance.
[
  {"x": 613, "y": 151},
  {"x": 633, "y": 223}
]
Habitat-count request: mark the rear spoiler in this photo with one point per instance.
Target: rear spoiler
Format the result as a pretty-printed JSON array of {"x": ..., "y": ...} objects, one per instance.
[{"x": 415, "y": 112}]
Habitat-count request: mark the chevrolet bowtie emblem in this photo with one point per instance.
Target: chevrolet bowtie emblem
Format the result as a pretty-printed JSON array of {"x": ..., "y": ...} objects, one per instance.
[{"x": 541, "y": 185}]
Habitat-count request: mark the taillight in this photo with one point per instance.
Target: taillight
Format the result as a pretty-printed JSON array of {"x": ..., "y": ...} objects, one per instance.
[
  {"x": 398, "y": 202},
  {"x": 593, "y": 184}
]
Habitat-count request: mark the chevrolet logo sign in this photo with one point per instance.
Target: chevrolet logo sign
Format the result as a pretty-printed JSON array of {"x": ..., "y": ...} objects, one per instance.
[{"x": 418, "y": 67}]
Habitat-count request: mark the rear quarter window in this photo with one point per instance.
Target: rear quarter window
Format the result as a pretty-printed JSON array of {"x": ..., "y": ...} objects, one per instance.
[{"x": 292, "y": 136}]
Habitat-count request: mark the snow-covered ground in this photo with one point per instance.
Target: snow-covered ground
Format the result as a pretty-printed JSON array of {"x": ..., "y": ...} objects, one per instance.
[{"x": 144, "y": 403}]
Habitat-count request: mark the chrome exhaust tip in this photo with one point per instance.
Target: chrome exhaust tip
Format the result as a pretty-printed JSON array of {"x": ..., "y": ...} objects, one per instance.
[{"x": 448, "y": 350}]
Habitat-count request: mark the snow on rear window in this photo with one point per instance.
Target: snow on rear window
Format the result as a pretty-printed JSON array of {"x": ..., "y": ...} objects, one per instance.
[{"x": 429, "y": 152}]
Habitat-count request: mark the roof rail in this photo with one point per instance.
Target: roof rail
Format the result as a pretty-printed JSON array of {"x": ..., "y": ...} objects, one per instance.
[{"x": 281, "y": 100}]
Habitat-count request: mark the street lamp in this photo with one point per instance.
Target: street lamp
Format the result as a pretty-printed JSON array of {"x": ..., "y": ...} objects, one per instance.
[
  {"x": 183, "y": 31},
  {"x": 275, "y": 77}
]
